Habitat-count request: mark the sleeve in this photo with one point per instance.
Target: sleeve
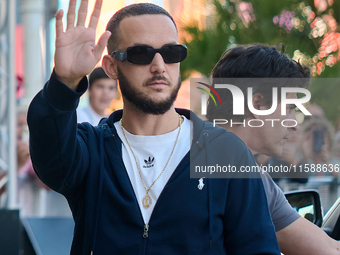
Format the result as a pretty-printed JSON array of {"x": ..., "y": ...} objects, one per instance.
[
  {"x": 57, "y": 151},
  {"x": 282, "y": 213},
  {"x": 248, "y": 225}
]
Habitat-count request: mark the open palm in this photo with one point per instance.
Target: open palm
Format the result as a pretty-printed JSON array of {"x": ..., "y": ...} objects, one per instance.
[{"x": 76, "y": 50}]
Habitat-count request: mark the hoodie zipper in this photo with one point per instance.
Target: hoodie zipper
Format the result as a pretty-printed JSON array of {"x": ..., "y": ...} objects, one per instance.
[
  {"x": 145, "y": 237},
  {"x": 146, "y": 231}
]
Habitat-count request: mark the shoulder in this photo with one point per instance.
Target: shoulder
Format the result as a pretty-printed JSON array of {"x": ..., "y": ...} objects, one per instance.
[
  {"x": 281, "y": 211},
  {"x": 273, "y": 192},
  {"x": 221, "y": 138},
  {"x": 213, "y": 133}
]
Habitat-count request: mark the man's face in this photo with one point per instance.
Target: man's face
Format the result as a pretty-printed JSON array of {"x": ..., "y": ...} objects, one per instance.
[
  {"x": 271, "y": 137},
  {"x": 156, "y": 83},
  {"x": 101, "y": 93}
]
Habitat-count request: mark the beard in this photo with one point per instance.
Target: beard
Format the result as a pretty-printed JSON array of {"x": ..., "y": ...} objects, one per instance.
[{"x": 143, "y": 102}]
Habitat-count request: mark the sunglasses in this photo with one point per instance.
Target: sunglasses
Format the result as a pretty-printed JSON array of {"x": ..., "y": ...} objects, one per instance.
[{"x": 144, "y": 54}]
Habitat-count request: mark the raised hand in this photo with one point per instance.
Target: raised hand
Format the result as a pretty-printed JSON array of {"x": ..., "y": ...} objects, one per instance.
[{"x": 76, "y": 50}]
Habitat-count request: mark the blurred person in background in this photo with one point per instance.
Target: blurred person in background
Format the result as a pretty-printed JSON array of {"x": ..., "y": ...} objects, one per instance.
[
  {"x": 23, "y": 155},
  {"x": 102, "y": 90},
  {"x": 310, "y": 146},
  {"x": 316, "y": 112},
  {"x": 317, "y": 158},
  {"x": 317, "y": 143},
  {"x": 28, "y": 183},
  {"x": 337, "y": 124},
  {"x": 35, "y": 198},
  {"x": 336, "y": 149}
]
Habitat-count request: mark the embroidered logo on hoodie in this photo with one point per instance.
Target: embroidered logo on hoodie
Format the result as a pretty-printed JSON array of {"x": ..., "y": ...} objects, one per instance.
[
  {"x": 200, "y": 185},
  {"x": 149, "y": 162}
]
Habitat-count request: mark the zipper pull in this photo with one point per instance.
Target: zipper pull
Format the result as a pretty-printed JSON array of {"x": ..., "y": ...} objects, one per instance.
[{"x": 146, "y": 231}]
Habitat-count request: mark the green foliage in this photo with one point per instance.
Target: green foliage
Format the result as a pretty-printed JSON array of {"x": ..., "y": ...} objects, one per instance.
[
  {"x": 326, "y": 92},
  {"x": 226, "y": 28}
]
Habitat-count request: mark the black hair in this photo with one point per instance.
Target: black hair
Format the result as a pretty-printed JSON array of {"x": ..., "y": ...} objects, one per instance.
[
  {"x": 129, "y": 11},
  {"x": 258, "y": 61},
  {"x": 97, "y": 74},
  {"x": 254, "y": 61}
]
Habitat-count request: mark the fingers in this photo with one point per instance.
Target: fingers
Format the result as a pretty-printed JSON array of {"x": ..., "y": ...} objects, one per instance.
[
  {"x": 82, "y": 13},
  {"x": 71, "y": 14},
  {"x": 98, "y": 50},
  {"x": 59, "y": 27},
  {"x": 95, "y": 14}
]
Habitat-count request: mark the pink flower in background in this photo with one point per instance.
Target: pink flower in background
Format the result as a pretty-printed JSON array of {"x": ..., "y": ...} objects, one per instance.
[
  {"x": 284, "y": 20},
  {"x": 245, "y": 12}
]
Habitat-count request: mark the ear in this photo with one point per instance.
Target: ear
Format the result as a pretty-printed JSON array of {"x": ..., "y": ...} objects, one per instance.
[
  {"x": 109, "y": 65},
  {"x": 259, "y": 104},
  {"x": 257, "y": 100}
]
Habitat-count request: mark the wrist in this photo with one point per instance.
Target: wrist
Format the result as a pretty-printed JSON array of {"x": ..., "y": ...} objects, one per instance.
[
  {"x": 61, "y": 96},
  {"x": 72, "y": 83}
]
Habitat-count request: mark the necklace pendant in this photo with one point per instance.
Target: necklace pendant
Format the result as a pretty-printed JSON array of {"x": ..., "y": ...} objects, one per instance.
[{"x": 147, "y": 201}]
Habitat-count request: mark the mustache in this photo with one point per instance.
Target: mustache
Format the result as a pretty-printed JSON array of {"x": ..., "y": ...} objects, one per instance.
[{"x": 157, "y": 78}]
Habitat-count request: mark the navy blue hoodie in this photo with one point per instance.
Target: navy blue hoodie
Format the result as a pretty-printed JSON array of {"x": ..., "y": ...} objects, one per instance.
[{"x": 84, "y": 163}]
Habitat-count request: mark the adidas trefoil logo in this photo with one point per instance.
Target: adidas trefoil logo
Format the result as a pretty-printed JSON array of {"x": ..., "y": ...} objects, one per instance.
[{"x": 149, "y": 162}]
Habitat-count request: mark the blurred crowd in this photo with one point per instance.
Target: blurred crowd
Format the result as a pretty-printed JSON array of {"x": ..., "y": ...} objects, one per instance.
[
  {"x": 34, "y": 197},
  {"x": 313, "y": 156}
]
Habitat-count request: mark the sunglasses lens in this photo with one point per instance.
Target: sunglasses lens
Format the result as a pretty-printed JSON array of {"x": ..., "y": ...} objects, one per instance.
[
  {"x": 141, "y": 55},
  {"x": 173, "y": 53}
]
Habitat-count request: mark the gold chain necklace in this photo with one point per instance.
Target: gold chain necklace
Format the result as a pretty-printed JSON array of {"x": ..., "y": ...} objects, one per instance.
[{"x": 147, "y": 201}]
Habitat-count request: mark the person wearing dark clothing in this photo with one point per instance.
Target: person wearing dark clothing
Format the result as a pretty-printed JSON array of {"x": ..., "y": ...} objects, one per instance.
[{"x": 127, "y": 195}]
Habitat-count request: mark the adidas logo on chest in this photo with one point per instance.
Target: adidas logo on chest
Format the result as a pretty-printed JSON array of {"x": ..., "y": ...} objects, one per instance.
[{"x": 149, "y": 162}]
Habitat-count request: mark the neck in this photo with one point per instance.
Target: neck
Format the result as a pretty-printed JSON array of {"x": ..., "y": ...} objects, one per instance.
[
  {"x": 139, "y": 123},
  {"x": 99, "y": 112}
]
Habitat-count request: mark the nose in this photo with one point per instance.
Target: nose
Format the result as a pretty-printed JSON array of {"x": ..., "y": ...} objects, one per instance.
[
  {"x": 292, "y": 128},
  {"x": 293, "y": 125},
  {"x": 157, "y": 64}
]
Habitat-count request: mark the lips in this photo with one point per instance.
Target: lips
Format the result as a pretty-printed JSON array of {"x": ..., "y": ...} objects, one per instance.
[
  {"x": 104, "y": 101},
  {"x": 158, "y": 83}
]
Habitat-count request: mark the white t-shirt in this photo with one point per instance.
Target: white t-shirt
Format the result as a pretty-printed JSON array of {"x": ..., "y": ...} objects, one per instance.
[
  {"x": 87, "y": 114},
  {"x": 152, "y": 153}
]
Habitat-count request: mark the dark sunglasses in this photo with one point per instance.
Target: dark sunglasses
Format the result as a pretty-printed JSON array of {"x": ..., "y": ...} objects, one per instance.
[{"x": 144, "y": 54}]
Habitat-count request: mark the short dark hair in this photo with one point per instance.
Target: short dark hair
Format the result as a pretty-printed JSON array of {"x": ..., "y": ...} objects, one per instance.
[
  {"x": 254, "y": 61},
  {"x": 129, "y": 11},
  {"x": 97, "y": 74}
]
